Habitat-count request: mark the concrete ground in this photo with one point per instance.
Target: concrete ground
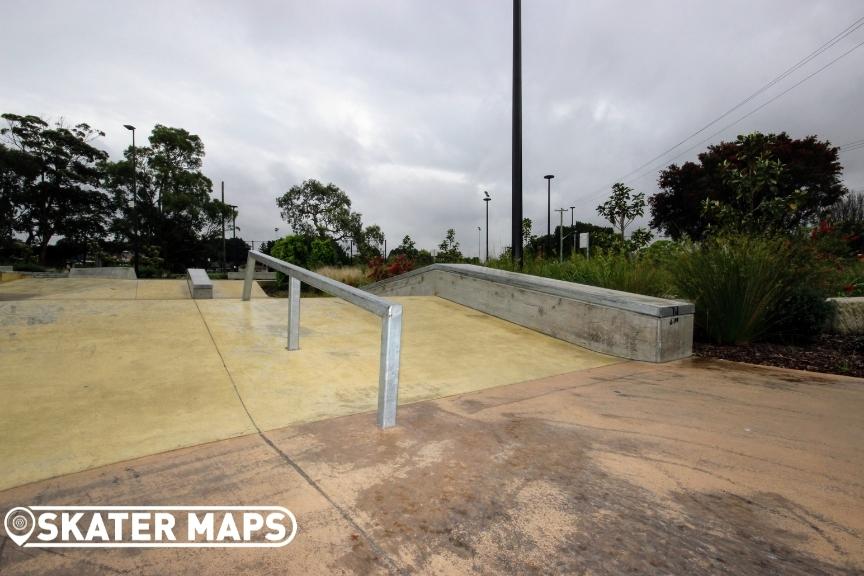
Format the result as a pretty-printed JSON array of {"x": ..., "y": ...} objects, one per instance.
[
  {"x": 82, "y": 288},
  {"x": 693, "y": 467},
  {"x": 99, "y": 371}
]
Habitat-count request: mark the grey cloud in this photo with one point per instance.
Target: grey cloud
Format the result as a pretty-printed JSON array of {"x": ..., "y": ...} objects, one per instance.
[{"x": 406, "y": 105}]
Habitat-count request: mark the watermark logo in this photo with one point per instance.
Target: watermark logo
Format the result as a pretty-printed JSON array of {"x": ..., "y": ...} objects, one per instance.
[{"x": 150, "y": 526}]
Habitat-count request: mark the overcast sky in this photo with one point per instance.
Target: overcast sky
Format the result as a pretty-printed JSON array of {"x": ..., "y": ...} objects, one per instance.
[{"x": 406, "y": 104}]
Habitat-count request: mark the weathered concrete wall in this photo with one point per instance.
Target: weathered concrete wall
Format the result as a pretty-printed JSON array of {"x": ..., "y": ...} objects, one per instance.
[
  {"x": 617, "y": 323},
  {"x": 850, "y": 316},
  {"x": 117, "y": 272}
]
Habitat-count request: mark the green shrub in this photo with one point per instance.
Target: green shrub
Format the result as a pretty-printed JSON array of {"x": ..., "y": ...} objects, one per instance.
[
  {"x": 803, "y": 316},
  {"x": 294, "y": 249},
  {"x": 29, "y": 267},
  {"x": 150, "y": 272},
  {"x": 614, "y": 271},
  {"x": 743, "y": 287},
  {"x": 323, "y": 253}
]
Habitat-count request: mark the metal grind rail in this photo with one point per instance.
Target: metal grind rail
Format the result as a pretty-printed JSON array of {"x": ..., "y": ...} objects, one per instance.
[{"x": 390, "y": 314}]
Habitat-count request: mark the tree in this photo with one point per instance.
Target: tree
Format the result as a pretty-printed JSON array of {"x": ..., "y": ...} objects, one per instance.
[
  {"x": 18, "y": 172},
  {"x": 526, "y": 231},
  {"x": 448, "y": 250},
  {"x": 370, "y": 243},
  {"x": 408, "y": 248},
  {"x": 622, "y": 208},
  {"x": 58, "y": 175},
  {"x": 766, "y": 179},
  {"x": 173, "y": 206},
  {"x": 315, "y": 209}
]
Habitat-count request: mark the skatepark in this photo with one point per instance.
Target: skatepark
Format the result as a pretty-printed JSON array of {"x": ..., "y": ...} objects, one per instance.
[{"x": 514, "y": 449}]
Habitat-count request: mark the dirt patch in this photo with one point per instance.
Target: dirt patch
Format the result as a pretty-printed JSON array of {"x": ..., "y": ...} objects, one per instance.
[
  {"x": 527, "y": 496},
  {"x": 829, "y": 353}
]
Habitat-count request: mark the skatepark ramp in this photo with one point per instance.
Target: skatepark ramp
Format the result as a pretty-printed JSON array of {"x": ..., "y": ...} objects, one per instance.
[
  {"x": 619, "y": 323},
  {"x": 390, "y": 314}
]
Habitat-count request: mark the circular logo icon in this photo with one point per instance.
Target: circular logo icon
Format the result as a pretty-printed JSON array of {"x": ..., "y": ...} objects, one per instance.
[{"x": 19, "y": 523}]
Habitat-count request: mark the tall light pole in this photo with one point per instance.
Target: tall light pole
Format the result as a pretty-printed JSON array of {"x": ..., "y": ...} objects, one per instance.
[
  {"x": 572, "y": 229},
  {"x": 233, "y": 221},
  {"x": 134, "y": 198},
  {"x": 549, "y": 178},
  {"x": 516, "y": 181},
  {"x": 488, "y": 199},
  {"x": 223, "y": 226},
  {"x": 561, "y": 234}
]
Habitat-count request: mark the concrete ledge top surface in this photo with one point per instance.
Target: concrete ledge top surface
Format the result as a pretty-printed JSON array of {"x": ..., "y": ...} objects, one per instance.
[
  {"x": 199, "y": 277},
  {"x": 649, "y": 305}
]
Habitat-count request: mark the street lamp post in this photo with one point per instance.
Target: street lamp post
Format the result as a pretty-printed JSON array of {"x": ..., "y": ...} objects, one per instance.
[
  {"x": 134, "y": 198},
  {"x": 561, "y": 234},
  {"x": 487, "y": 199},
  {"x": 516, "y": 181},
  {"x": 572, "y": 229},
  {"x": 223, "y": 227},
  {"x": 549, "y": 178}
]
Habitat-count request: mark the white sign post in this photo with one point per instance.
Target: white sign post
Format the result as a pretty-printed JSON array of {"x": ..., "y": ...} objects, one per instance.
[{"x": 583, "y": 243}]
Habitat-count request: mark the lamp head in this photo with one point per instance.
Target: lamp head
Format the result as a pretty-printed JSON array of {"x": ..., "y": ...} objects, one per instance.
[
  {"x": 129, "y": 127},
  {"x": 549, "y": 176}
]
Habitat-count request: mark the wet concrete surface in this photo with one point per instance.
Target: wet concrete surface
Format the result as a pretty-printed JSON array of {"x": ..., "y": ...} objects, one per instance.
[
  {"x": 693, "y": 467},
  {"x": 99, "y": 375}
]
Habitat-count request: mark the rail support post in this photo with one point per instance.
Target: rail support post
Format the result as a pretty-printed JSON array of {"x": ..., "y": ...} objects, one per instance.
[
  {"x": 293, "y": 313},
  {"x": 249, "y": 277},
  {"x": 388, "y": 375}
]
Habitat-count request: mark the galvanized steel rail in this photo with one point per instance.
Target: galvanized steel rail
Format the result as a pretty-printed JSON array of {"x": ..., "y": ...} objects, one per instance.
[{"x": 390, "y": 314}]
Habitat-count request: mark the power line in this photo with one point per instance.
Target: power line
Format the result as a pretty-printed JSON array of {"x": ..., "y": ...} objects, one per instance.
[
  {"x": 851, "y": 148},
  {"x": 825, "y": 46},
  {"x": 758, "y": 108},
  {"x": 852, "y": 145},
  {"x": 744, "y": 117},
  {"x": 821, "y": 49}
]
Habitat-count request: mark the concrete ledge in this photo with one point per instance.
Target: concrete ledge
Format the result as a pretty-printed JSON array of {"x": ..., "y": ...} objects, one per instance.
[
  {"x": 259, "y": 275},
  {"x": 117, "y": 272},
  {"x": 609, "y": 321},
  {"x": 850, "y": 316},
  {"x": 200, "y": 285}
]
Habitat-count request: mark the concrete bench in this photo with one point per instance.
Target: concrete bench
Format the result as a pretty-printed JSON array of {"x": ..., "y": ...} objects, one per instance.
[
  {"x": 608, "y": 321},
  {"x": 200, "y": 285}
]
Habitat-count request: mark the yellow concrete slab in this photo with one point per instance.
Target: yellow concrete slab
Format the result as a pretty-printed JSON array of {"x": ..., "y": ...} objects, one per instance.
[
  {"x": 115, "y": 289},
  {"x": 69, "y": 289},
  {"x": 233, "y": 289},
  {"x": 446, "y": 349},
  {"x": 158, "y": 289},
  {"x": 86, "y": 383}
]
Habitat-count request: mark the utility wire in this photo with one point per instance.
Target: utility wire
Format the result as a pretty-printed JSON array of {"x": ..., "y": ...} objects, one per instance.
[
  {"x": 822, "y": 48},
  {"x": 758, "y": 108},
  {"x": 852, "y": 27},
  {"x": 852, "y": 146}
]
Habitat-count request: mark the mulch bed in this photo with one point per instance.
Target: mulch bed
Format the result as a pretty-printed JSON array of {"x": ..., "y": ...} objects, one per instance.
[{"x": 830, "y": 353}]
